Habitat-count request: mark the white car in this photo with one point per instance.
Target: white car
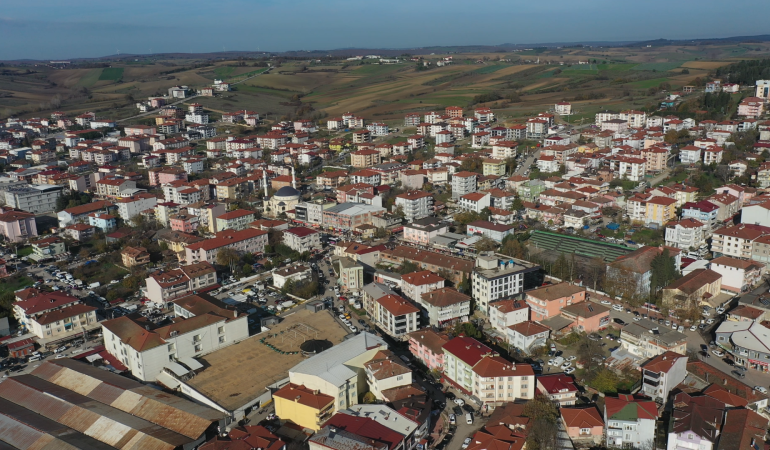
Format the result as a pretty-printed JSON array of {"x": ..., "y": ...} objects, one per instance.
[
  {"x": 710, "y": 321},
  {"x": 569, "y": 370},
  {"x": 452, "y": 419},
  {"x": 617, "y": 307},
  {"x": 466, "y": 443},
  {"x": 572, "y": 358},
  {"x": 693, "y": 328},
  {"x": 566, "y": 365},
  {"x": 761, "y": 389},
  {"x": 674, "y": 326},
  {"x": 459, "y": 402},
  {"x": 605, "y": 302},
  {"x": 720, "y": 310},
  {"x": 718, "y": 353}
]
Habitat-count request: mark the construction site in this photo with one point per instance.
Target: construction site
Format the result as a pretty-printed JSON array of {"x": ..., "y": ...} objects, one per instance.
[{"x": 240, "y": 377}]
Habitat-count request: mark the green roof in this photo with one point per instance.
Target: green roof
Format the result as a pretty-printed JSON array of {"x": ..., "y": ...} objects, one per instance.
[{"x": 579, "y": 246}]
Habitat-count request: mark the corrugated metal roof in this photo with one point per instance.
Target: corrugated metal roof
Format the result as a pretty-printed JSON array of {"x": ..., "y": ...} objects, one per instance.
[
  {"x": 176, "y": 368},
  {"x": 191, "y": 363},
  {"x": 166, "y": 410}
]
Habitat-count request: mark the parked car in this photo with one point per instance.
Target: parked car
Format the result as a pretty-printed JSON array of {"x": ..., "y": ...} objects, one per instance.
[
  {"x": 718, "y": 353},
  {"x": 466, "y": 443},
  {"x": 452, "y": 419},
  {"x": 459, "y": 402},
  {"x": 761, "y": 389}
]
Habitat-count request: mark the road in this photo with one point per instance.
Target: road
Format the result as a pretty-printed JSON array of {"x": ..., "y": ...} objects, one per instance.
[
  {"x": 527, "y": 162},
  {"x": 186, "y": 99}
]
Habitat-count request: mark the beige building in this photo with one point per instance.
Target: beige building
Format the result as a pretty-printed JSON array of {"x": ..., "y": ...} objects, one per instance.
[
  {"x": 134, "y": 256},
  {"x": 351, "y": 275},
  {"x": 365, "y": 158},
  {"x": 693, "y": 289},
  {"x": 163, "y": 287}
]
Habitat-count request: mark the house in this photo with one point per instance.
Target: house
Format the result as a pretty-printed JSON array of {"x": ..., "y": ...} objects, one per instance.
[
  {"x": 79, "y": 231},
  {"x": 584, "y": 425},
  {"x": 52, "y": 315},
  {"x": 444, "y": 306},
  {"x": 586, "y": 317},
  {"x": 134, "y": 256},
  {"x": 548, "y": 301},
  {"x": 295, "y": 274},
  {"x": 560, "y": 388},
  {"x": 693, "y": 289},
  {"x": 427, "y": 346},
  {"x": 475, "y": 201},
  {"x": 641, "y": 339},
  {"x": 104, "y": 222},
  {"x": 738, "y": 275},
  {"x": 48, "y": 247},
  {"x": 385, "y": 373},
  {"x": 696, "y": 420},
  {"x": 505, "y": 313},
  {"x": 527, "y": 336},
  {"x": 302, "y": 406},
  {"x": 396, "y": 316},
  {"x": 661, "y": 374},
  {"x": 205, "y": 325},
  {"x": 629, "y": 422},
  {"x": 252, "y": 436},
  {"x": 494, "y": 231}
]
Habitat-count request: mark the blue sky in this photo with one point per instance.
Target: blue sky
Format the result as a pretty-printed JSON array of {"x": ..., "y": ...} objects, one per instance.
[{"x": 60, "y": 29}]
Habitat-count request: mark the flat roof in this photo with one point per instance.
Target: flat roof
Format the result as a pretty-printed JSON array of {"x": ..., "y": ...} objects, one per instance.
[{"x": 239, "y": 373}]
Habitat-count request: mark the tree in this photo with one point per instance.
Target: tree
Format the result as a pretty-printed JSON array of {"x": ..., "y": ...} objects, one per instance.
[
  {"x": 663, "y": 271},
  {"x": 587, "y": 349},
  {"x": 227, "y": 257},
  {"x": 485, "y": 244},
  {"x": 543, "y": 433},
  {"x": 517, "y": 204},
  {"x": 560, "y": 268},
  {"x": 369, "y": 398},
  {"x": 605, "y": 381}
]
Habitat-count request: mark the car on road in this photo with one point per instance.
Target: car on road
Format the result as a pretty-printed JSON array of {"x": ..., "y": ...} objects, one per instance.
[
  {"x": 605, "y": 302},
  {"x": 728, "y": 361},
  {"x": 469, "y": 419},
  {"x": 617, "y": 307},
  {"x": 466, "y": 442},
  {"x": 459, "y": 402},
  {"x": 761, "y": 389},
  {"x": 718, "y": 353},
  {"x": 706, "y": 354},
  {"x": 572, "y": 358},
  {"x": 569, "y": 370},
  {"x": 710, "y": 321},
  {"x": 693, "y": 328},
  {"x": 738, "y": 374},
  {"x": 452, "y": 419},
  {"x": 619, "y": 321}
]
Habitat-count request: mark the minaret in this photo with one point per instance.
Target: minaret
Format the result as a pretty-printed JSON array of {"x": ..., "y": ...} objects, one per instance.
[
  {"x": 264, "y": 181},
  {"x": 293, "y": 180}
]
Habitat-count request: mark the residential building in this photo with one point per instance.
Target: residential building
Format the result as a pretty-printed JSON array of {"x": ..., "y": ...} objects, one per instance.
[
  {"x": 134, "y": 256},
  {"x": 163, "y": 287},
  {"x": 53, "y": 315},
  {"x": 686, "y": 234},
  {"x": 248, "y": 240},
  {"x": 79, "y": 232},
  {"x": 475, "y": 201},
  {"x": 427, "y": 346},
  {"x": 659, "y": 211},
  {"x": 495, "y": 278},
  {"x": 302, "y": 239},
  {"x": 415, "y": 204},
  {"x": 527, "y": 336},
  {"x": 79, "y": 214},
  {"x": 295, "y": 274},
  {"x": 696, "y": 421},
  {"x": 737, "y": 240},
  {"x": 415, "y": 284},
  {"x": 305, "y": 407},
  {"x": 629, "y": 422},
  {"x": 444, "y": 306},
  {"x": 339, "y": 371},
  {"x": 34, "y": 198},
  {"x": 17, "y": 226},
  {"x": 661, "y": 374},
  {"x": 641, "y": 340},
  {"x": 693, "y": 289},
  {"x": 463, "y": 183},
  {"x": 548, "y": 301},
  {"x": 634, "y": 272},
  {"x": 496, "y": 232},
  {"x": 104, "y": 222},
  {"x": 237, "y": 220},
  {"x": 738, "y": 275},
  {"x": 130, "y": 207},
  {"x": 205, "y": 325},
  {"x": 584, "y": 425},
  {"x": 386, "y": 374},
  {"x": 421, "y": 231},
  {"x": 505, "y": 313},
  {"x": 396, "y": 316},
  {"x": 560, "y": 388},
  {"x": 351, "y": 275},
  {"x": 45, "y": 248},
  {"x": 748, "y": 342},
  {"x": 253, "y": 436},
  {"x": 586, "y": 317},
  {"x": 365, "y": 158}
]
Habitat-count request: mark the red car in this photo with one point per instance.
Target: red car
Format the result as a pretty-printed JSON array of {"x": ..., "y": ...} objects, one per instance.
[{"x": 600, "y": 235}]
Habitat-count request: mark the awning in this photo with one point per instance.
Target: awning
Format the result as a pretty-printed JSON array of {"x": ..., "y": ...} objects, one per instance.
[
  {"x": 92, "y": 358},
  {"x": 167, "y": 380},
  {"x": 191, "y": 363},
  {"x": 177, "y": 369}
]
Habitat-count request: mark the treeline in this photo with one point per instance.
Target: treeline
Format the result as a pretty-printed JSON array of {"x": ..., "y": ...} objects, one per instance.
[{"x": 746, "y": 72}]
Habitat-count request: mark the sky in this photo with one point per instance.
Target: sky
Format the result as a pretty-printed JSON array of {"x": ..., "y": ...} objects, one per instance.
[{"x": 63, "y": 29}]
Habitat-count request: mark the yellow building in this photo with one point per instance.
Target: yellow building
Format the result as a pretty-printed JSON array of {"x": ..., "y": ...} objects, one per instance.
[
  {"x": 494, "y": 167},
  {"x": 305, "y": 407},
  {"x": 660, "y": 210}
]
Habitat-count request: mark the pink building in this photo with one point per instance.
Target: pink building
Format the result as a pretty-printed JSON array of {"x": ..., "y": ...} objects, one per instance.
[
  {"x": 584, "y": 424},
  {"x": 159, "y": 177},
  {"x": 426, "y": 345},
  {"x": 247, "y": 241},
  {"x": 17, "y": 225},
  {"x": 547, "y": 301},
  {"x": 186, "y": 223}
]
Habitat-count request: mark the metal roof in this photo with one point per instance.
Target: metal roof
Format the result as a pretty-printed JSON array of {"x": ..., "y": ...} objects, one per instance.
[
  {"x": 329, "y": 365},
  {"x": 191, "y": 363},
  {"x": 176, "y": 368}
]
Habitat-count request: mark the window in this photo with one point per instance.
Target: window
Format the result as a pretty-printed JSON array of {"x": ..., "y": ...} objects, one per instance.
[
  {"x": 221, "y": 330},
  {"x": 197, "y": 338},
  {"x": 221, "y": 339},
  {"x": 198, "y": 348}
]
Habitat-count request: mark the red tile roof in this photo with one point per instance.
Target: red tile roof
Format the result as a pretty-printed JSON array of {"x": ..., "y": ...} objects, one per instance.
[{"x": 467, "y": 349}]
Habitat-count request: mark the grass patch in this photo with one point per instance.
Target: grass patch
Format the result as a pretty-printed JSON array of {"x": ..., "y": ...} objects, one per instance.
[
  {"x": 646, "y": 84},
  {"x": 589, "y": 67},
  {"x": 617, "y": 67},
  {"x": 660, "y": 67},
  {"x": 26, "y": 251},
  {"x": 264, "y": 90},
  {"x": 223, "y": 71},
  {"x": 376, "y": 69},
  {"x": 9, "y": 285},
  {"x": 103, "y": 272},
  {"x": 490, "y": 69},
  {"x": 111, "y": 74},
  {"x": 90, "y": 78}
]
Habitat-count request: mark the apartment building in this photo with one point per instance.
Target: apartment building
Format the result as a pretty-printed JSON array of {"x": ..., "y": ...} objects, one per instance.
[
  {"x": 427, "y": 346},
  {"x": 444, "y": 306},
  {"x": 421, "y": 231},
  {"x": 163, "y": 287},
  {"x": 248, "y": 240},
  {"x": 205, "y": 325},
  {"x": 17, "y": 226},
  {"x": 495, "y": 278},
  {"x": 560, "y": 388},
  {"x": 415, "y": 204},
  {"x": 663, "y": 373},
  {"x": 34, "y": 198},
  {"x": 463, "y": 183},
  {"x": 527, "y": 336},
  {"x": 738, "y": 275},
  {"x": 237, "y": 220},
  {"x": 737, "y": 240},
  {"x": 130, "y": 207},
  {"x": 629, "y": 422},
  {"x": 396, "y": 316},
  {"x": 686, "y": 234},
  {"x": 646, "y": 339},
  {"x": 547, "y": 301},
  {"x": 506, "y": 313},
  {"x": 365, "y": 158},
  {"x": 415, "y": 284},
  {"x": 302, "y": 239},
  {"x": 52, "y": 315}
]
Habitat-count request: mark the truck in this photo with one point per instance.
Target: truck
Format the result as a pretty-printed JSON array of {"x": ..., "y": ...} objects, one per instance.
[
  {"x": 94, "y": 285},
  {"x": 287, "y": 304}
]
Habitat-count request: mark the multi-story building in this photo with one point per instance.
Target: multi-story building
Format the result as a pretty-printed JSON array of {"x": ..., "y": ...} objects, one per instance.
[
  {"x": 105, "y": 222},
  {"x": 629, "y": 422},
  {"x": 134, "y": 256},
  {"x": 415, "y": 284},
  {"x": 248, "y": 240},
  {"x": 505, "y": 313},
  {"x": 396, "y": 316},
  {"x": 547, "y": 301},
  {"x": 302, "y": 239},
  {"x": 737, "y": 240},
  {"x": 339, "y": 372},
  {"x": 703, "y": 211},
  {"x": 52, "y": 315},
  {"x": 305, "y": 407},
  {"x": 686, "y": 234},
  {"x": 696, "y": 422},
  {"x": 34, "y": 198},
  {"x": 527, "y": 336},
  {"x": 351, "y": 275},
  {"x": 421, "y": 231},
  {"x": 559, "y": 388},
  {"x": 640, "y": 339},
  {"x": 294, "y": 273},
  {"x": 748, "y": 342},
  {"x": 476, "y": 370},
  {"x": 494, "y": 278},
  {"x": 494, "y": 231},
  {"x": 17, "y": 226},
  {"x": 415, "y": 204},
  {"x": 148, "y": 350},
  {"x": 738, "y": 275},
  {"x": 163, "y": 287},
  {"x": 365, "y": 158},
  {"x": 475, "y": 201},
  {"x": 660, "y": 210},
  {"x": 427, "y": 346},
  {"x": 445, "y": 306},
  {"x": 464, "y": 183},
  {"x": 79, "y": 214},
  {"x": 348, "y": 216},
  {"x": 238, "y": 219},
  {"x": 663, "y": 373}
]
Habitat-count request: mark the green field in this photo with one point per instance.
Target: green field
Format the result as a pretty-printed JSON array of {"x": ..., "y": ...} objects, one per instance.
[
  {"x": 243, "y": 87},
  {"x": 646, "y": 84},
  {"x": 111, "y": 74},
  {"x": 628, "y": 66},
  {"x": 660, "y": 67},
  {"x": 376, "y": 69},
  {"x": 223, "y": 72},
  {"x": 591, "y": 67},
  {"x": 90, "y": 78},
  {"x": 12, "y": 284},
  {"x": 490, "y": 69}
]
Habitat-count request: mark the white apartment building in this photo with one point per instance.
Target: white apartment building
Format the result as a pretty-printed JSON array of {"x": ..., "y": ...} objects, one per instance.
[
  {"x": 475, "y": 201},
  {"x": 736, "y": 240},
  {"x": 163, "y": 287},
  {"x": 506, "y": 313},
  {"x": 690, "y": 154},
  {"x": 414, "y": 284},
  {"x": 638, "y": 339},
  {"x": 421, "y": 231},
  {"x": 130, "y": 207},
  {"x": 527, "y": 336},
  {"x": 309, "y": 212},
  {"x": 301, "y": 239},
  {"x": 494, "y": 278},
  {"x": 686, "y": 234},
  {"x": 464, "y": 183},
  {"x": 629, "y": 423},
  {"x": 147, "y": 351},
  {"x": 663, "y": 373},
  {"x": 445, "y": 305},
  {"x": 396, "y": 316},
  {"x": 293, "y": 273},
  {"x": 415, "y": 204}
]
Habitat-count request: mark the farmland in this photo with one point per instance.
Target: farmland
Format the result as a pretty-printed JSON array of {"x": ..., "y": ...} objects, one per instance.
[{"x": 517, "y": 84}]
